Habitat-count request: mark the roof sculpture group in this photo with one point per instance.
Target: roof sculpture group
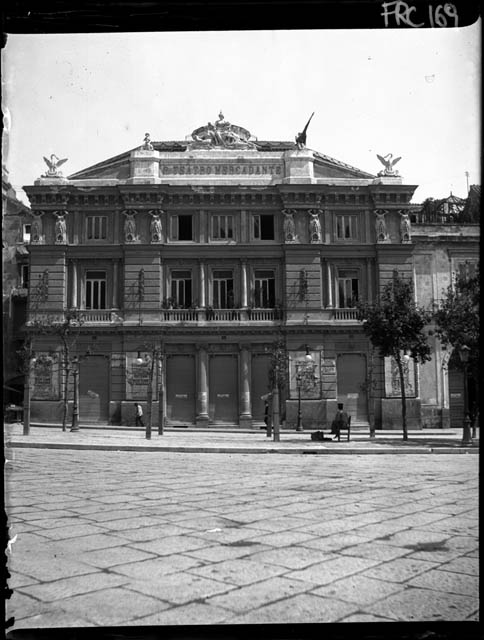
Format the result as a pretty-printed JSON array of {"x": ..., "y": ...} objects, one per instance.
[{"x": 224, "y": 135}]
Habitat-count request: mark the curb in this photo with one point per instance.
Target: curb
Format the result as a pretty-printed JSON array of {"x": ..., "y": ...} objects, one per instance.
[{"x": 242, "y": 450}]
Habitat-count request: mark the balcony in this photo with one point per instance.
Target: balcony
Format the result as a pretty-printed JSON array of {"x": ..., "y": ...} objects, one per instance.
[
  {"x": 192, "y": 317},
  {"x": 345, "y": 314}
]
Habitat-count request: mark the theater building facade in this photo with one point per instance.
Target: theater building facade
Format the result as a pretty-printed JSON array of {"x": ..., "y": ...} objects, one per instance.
[{"x": 203, "y": 254}]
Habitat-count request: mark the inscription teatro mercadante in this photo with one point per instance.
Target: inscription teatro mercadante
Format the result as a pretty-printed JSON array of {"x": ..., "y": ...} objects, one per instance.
[{"x": 222, "y": 169}]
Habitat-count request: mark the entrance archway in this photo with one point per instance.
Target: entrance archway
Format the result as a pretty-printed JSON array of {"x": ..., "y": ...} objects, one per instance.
[{"x": 351, "y": 378}]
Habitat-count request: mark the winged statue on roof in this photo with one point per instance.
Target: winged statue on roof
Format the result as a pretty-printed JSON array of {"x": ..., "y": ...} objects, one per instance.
[
  {"x": 54, "y": 163},
  {"x": 388, "y": 162}
]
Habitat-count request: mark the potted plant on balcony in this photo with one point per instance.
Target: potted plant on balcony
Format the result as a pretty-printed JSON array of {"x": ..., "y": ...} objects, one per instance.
[{"x": 210, "y": 313}]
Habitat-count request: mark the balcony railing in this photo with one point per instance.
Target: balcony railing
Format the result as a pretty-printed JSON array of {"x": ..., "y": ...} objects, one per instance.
[
  {"x": 345, "y": 314},
  {"x": 175, "y": 316},
  {"x": 180, "y": 315}
]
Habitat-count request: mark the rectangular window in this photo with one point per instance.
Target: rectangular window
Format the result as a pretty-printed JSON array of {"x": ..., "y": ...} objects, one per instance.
[
  {"x": 467, "y": 269},
  {"x": 96, "y": 227},
  {"x": 181, "y": 288},
  {"x": 346, "y": 227},
  {"x": 264, "y": 289},
  {"x": 263, "y": 227},
  {"x": 181, "y": 227},
  {"x": 26, "y": 228},
  {"x": 348, "y": 288},
  {"x": 95, "y": 290},
  {"x": 223, "y": 290},
  {"x": 222, "y": 227},
  {"x": 24, "y": 276}
]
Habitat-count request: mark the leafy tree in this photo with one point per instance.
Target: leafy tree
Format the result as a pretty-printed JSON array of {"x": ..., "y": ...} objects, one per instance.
[
  {"x": 457, "y": 318},
  {"x": 472, "y": 208},
  {"x": 67, "y": 329},
  {"x": 395, "y": 326}
]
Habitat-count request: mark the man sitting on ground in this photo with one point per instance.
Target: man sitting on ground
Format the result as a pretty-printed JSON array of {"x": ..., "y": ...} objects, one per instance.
[{"x": 340, "y": 421}]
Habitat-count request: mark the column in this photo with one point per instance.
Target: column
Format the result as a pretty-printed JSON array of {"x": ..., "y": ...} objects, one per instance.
[
  {"x": 323, "y": 271},
  {"x": 330, "y": 285},
  {"x": 162, "y": 282},
  {"x": 74, "y": 285},
  {"x": 115, "y": 284},
  {"x": 201, "y": 293},
  {"x": 369, "y": 283},
  {"x": 202, "y": 388},
  {"x": 245, "y": 417},
  {"x": 243, "y": 274}
]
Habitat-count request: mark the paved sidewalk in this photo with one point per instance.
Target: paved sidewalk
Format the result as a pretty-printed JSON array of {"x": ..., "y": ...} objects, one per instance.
[
  {"x": 236, "y": 441},
  {"x": 136, "y": 538}
]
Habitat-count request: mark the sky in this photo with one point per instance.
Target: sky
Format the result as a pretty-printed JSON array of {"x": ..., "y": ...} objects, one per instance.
[{"x": 411, "y": 92}]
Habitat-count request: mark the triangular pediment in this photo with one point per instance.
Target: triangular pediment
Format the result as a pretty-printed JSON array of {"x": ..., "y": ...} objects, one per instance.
[
  {"x": 118, "y": 167},
  {"x": 326, "y": 167}
]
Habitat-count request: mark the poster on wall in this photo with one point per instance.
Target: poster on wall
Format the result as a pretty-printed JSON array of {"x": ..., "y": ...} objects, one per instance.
[
  {"x": 138, "y": 377},
  {"x": 305, "y": 374},
  {"x": 45, "y": 379},
  {"x": 392, "y": 378}
]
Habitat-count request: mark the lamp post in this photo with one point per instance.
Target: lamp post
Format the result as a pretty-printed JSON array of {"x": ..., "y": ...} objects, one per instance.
[
  {"x": 466, "y": 432},
  {"x": 299, "y": 426},
  {"x": 75, "y": 404},
  {"x": 275, "y": 404}
]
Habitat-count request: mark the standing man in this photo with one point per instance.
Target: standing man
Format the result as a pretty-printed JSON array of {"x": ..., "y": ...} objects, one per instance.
[
  {"x": 139, "y": 415},
  {"x": 340, "y": 421}
]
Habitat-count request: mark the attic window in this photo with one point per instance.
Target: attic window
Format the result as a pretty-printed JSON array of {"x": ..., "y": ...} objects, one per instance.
[{"x": 26, "y": 228}]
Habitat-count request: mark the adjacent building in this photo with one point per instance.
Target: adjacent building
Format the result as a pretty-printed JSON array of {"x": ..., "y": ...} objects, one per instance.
[
  {"x": 186, "y": 262},
  {"x": 15, "y": 262}
]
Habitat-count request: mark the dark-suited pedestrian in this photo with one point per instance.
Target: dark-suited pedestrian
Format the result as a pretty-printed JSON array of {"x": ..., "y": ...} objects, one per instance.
[{"x": 340, "y": 421}]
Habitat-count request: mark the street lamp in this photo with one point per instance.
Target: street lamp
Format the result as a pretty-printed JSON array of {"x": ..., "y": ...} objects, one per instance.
[
  {"x": 275, "y": 404},
  {"x": 75, "y": 404},
  {"x": 464, "y": 351}
]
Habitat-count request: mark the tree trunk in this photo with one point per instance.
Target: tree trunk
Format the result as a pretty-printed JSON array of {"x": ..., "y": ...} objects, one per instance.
[{"x": 404, "y": 399}]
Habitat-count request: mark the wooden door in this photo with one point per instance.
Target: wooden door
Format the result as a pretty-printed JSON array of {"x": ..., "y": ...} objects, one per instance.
[
  {"x": 223, "y": 386},
  {"x": 94, "y": 389},
  {"x": 180, "y": 389},
  {"x": 351, "y": 378}
]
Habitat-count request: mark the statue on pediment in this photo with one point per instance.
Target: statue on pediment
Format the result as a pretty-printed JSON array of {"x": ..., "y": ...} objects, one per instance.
[
  {"x": 302, "y": 135},
  {"x": 388, "y": 162},
  {"x": 54, "y": 163},
  {"x": 60, "y": 227},
  {"x": 289, "y": 225},
  {"x": 381, "y": 226},
  {"x": 315, "y": 226},
  {"x": 221, "y": 134},
  {"x": 147, "y": 146},
  {"x": 155, "y": 226}
]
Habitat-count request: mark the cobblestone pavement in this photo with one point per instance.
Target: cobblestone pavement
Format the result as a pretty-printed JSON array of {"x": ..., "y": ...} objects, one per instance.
[{"x": 107, "y": 538}]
